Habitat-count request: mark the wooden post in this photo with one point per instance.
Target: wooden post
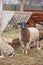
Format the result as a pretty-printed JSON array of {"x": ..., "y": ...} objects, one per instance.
[
  {"x": 21, "y": 5},
  {"x": 1, "y": 8},
  {"x": 31, "y": 23}
]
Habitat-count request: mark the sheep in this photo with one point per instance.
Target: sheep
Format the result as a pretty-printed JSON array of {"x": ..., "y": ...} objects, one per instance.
[
  {"x": 28, "y": 36},
  {"x": 6, "y": 49}
]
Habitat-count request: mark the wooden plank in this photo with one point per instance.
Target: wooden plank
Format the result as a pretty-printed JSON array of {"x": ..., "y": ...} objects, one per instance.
[
  {"x": 41, "y": 32},
  {"x": 36, "y": 18}
]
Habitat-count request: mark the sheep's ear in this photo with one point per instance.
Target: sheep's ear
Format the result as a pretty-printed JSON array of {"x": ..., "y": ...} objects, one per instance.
[
  {"x": 18, "y": 23},
  {"x": 27, "y": 23}
]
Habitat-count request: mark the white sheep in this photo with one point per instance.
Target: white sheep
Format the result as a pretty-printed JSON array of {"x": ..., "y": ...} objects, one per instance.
[
  {"x": 6, "y": 49},
  {"x": 28, "y": 36}
]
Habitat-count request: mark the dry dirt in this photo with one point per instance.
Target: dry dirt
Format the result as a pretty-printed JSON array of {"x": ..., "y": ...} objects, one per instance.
[{"x": 34, "y": 57}]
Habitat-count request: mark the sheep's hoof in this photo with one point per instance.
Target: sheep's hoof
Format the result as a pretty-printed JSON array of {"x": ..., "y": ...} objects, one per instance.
[
  {"x": 26, "y": 52},
  {"x": 39, "y": 48},
  {"x": 2, "y": 56}
]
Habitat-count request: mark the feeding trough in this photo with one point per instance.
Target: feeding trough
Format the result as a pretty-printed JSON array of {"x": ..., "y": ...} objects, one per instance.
[{"x": 17, "y": 16}]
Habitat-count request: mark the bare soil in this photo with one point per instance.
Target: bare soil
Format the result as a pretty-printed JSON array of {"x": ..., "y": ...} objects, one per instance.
[{"x": 34, "y": 57}]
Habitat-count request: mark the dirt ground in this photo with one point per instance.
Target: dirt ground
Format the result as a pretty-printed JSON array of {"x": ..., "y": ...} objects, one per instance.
[{"x": 34, "y": 57}]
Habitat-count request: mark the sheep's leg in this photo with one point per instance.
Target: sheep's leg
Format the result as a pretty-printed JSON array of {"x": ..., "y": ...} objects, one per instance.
[
  {"x": 23, "y": 47},
  {"x": 28, "y": 47},
  {"x": 22, "y": 50},
  {"x": 2, "y": 56},
  {"x": 38, "y": 45},
  {"x": 34, "y": 44}
]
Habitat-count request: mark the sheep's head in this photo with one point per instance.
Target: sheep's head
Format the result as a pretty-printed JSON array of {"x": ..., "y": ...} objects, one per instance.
[{"x": 23, "y": 25}]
